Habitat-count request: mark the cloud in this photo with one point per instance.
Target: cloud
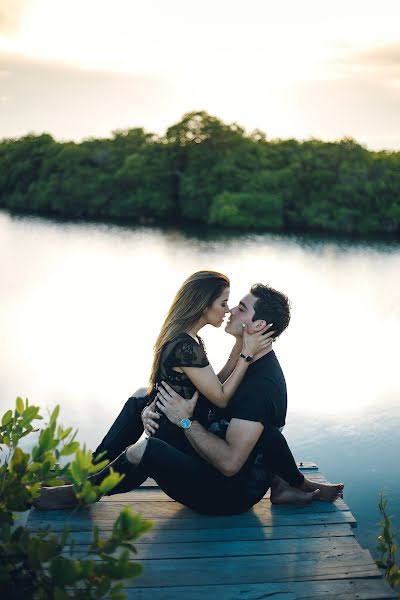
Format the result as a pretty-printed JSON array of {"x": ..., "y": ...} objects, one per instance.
[
  {"x": 71, "y": 103},
  {"x": 11, "y": 13},
  {"x": 384, "y": 56},
  {"x": 380, "y": 64},
  {"x": 359, "y": 107}
]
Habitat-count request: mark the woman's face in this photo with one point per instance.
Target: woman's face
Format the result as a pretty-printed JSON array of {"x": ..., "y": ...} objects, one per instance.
[{"x": 216, "y": 312}]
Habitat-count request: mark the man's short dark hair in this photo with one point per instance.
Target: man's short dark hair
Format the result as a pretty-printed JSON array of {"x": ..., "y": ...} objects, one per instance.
[{"x": 271, "y": 306}]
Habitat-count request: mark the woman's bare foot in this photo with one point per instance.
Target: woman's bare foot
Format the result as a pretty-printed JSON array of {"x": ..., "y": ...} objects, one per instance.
[
  {"x": 329, "y": 492},
  {"x": 56, "y": 498},
  {"x": 283, "y": 493}
]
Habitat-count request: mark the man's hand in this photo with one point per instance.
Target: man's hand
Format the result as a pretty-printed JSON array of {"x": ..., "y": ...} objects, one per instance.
[
  {"x": 173, "y": 405},
  {"x": 149, "y": 417}
]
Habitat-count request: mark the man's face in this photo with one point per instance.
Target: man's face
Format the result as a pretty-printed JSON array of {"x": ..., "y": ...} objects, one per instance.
[{"x": 243, "y": 313}]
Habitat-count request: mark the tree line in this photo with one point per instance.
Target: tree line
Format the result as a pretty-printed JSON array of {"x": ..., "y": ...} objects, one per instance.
[{"x": 203, "y": 171}]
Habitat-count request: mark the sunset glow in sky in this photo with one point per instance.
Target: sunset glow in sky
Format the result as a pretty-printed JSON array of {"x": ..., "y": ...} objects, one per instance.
[{"x": 292, "y": 69}]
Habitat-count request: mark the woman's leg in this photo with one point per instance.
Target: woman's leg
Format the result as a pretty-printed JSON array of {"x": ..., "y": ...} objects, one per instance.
[
  {"x": 126, "y": 429},
  {"x": 187, "y": 479}
]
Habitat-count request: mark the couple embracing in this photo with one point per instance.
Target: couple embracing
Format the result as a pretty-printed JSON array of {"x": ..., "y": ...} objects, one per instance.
[{"x": 212, "y": 442}]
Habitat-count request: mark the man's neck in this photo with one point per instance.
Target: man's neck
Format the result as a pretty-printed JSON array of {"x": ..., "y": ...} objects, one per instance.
[{"x": 261, "y": 354}]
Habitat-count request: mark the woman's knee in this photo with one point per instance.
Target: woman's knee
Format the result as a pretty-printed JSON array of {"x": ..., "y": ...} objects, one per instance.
[{"x": 135, "y": 404}]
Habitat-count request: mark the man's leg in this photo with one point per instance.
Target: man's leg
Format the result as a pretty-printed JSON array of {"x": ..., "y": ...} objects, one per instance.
[
  {"x": 279, "y": 460},
  {"x": 189, "y": 479},
  {"x": 278, "y": 457}
]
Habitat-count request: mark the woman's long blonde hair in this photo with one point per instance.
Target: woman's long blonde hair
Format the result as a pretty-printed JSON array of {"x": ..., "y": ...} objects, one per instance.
[{"x": 196, "y": 294}]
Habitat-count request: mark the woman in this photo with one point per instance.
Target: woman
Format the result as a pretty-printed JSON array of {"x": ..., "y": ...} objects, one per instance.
[{"x": 179, "y": 354}]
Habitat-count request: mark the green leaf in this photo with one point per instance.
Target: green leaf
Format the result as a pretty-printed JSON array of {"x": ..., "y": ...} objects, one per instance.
[
  {"x": 117, "y": 592},
  {"x": 70, "y": 448},
  {"x": 34, "y": 467},
  {"x": 76, "y": 473},
  {"x": 7, "y": 418},
  {"x": 110, "y": 482},
  {"x": 59, "y": 594},
  {"x": 95, "y": 468},
  {"x": 19, "y": 405},
  {"x": 30, "y": 413},
  {"x": 65, "y": 571},
  {"x": 88, "y": 493},
  {"x": 45, "y": 439},
  {"x": 26, "y": 432},
  {"x": 19, "y": 461},
  {"x": 54, "y": 414},
  {"x": 84, "y": 458},
  {"x": 48, "y": 549},
  {"x": 63, "y": 433}
]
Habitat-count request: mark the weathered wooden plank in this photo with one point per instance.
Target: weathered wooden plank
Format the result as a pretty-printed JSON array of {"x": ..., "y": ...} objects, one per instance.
[
  {"x": 246, "y": 520},
  {"x": 157, "y": 495},
  {"x": 177, "y": 536},
  {"x": 255, "y": 569},
  {"x": 323, "y": 547},
  {"x": 108, "y": 510},
  {"x": 287, "y": 552},
  {"x": 350, "y": 589}
]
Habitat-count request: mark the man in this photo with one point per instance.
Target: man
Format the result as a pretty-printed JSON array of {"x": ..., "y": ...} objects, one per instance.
[
  {"x": 247, "y": 443},
  {"x": 238, "y": 453}
]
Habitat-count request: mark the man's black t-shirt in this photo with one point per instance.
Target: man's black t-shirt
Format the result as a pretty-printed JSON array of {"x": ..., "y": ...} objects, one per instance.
[
  {"x": 262, "y": 398},
  {"x": 262, "y": 394}
]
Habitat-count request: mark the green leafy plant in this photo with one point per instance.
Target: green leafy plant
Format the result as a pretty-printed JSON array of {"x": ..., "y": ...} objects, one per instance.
[
  {"x": 42, "y": 564},
  {"x": 387, "y": 546}
]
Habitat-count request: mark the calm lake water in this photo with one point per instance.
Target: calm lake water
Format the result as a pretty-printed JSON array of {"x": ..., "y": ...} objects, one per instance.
[{"x": 81, "y": 305}]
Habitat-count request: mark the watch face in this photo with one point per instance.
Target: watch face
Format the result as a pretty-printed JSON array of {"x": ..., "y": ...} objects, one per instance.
[
  {"x": 186, "y": 423},
  {"x": 247, "y": 358}
]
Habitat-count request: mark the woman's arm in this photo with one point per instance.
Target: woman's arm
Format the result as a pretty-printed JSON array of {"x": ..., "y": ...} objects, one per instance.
[
  {"x": 230, "y": 364},
  {"x": 207, "y": 382}
]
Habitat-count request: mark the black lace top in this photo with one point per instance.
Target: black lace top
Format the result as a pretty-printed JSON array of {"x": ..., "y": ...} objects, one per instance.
[{"x": 182, "y": 351}]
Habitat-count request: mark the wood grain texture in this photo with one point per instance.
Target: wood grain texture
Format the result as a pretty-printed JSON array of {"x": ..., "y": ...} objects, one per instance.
[
  {"x": 279, "y": 551},
  {"x": 350, "y": 589}
]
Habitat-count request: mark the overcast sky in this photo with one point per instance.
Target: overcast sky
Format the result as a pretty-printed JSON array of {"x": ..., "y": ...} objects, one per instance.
[{"x": 311, "y": 68}]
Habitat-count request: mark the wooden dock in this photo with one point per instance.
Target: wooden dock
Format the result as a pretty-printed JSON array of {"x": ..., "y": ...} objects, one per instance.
[{"x": 280, "y": 552}]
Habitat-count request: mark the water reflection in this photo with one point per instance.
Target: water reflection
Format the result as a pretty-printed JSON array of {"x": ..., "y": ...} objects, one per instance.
[{"x": 81, "y": 306}]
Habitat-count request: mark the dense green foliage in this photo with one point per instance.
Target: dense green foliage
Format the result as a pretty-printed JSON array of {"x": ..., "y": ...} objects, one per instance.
[
  {"x": 206, "y": 172},
  {"x": 42, "y": 565},
  {"x": 387, "y": 547}
]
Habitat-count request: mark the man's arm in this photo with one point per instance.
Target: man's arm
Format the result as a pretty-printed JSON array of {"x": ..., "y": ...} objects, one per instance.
[
  {"x": 232, "y": 360},
  {"x": 229, "y": 455}
]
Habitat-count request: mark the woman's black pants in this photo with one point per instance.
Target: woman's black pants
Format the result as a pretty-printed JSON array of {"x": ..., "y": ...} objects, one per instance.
[{"x": 180, "y": 472}]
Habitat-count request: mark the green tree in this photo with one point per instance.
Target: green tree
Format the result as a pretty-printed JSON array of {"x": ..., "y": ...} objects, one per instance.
[
  {"x": 36, "y": 565},
  {"x": 144, "y": 186},
  {"x": 244, "y": 210},
  {"x": 198, "y": 145},
  {"x": 182, "y": 177}
]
